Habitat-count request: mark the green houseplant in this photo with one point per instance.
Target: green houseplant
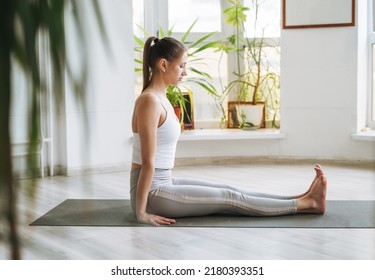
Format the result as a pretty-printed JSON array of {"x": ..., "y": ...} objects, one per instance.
[
  {"x": 177, "y": 94},
  {"x": 178, "y": 99},
  {"x": 255, "y": 82},
  {"x": 23, "y": 24}
]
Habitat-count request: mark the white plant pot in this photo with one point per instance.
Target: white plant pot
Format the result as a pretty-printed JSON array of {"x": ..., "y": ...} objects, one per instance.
[{"x": 253, "y": 113}]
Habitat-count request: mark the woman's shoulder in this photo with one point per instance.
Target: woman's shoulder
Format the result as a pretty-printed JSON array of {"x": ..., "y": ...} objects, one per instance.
[
  {"x": 147, "y": 99},
  {"x": 147, "y": 96}
]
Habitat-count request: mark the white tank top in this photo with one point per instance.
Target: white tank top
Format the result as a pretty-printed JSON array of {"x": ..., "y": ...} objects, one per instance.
[{"x": 167, "y": 137}]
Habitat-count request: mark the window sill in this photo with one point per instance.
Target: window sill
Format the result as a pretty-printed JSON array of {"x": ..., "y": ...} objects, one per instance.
[
  {"x": 230, "y": 134},
  {"x": 364, "y": 136}
]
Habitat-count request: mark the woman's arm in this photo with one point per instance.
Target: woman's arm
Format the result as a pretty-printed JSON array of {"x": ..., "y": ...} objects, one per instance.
[{"x": 148, "y": 115}]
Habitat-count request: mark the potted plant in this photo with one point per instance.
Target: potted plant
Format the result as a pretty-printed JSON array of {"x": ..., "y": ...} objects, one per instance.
[
  {"x": 255, "y": 83},
  {"x": 180, "y": 94}
]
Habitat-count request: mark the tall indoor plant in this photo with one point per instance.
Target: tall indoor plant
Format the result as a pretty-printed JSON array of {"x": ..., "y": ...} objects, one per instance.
[
  {"x": 22, "y": 24},
  {"x": 254, "y": 81}
]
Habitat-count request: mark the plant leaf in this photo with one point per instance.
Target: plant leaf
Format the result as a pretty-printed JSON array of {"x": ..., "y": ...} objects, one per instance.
[{"x": 186, "y": 34}]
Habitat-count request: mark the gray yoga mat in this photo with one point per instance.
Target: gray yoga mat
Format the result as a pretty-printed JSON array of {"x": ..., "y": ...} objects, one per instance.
[{"x": 117, "y": 213}]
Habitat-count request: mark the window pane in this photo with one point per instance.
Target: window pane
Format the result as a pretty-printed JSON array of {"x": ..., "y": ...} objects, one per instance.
[
  {"x": 182, "y": 13},
  {"x": 373, "y": 15},
  {"x": 213, "y": 64},
  {"x": 269, "y": 90},
  {"x": 373, "y": 84},
  {"x": 138, "y": 17},
  {"x": 269, "y": 18}
]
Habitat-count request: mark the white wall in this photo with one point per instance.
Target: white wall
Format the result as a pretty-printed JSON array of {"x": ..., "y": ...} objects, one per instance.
[
  {"x": 322, "y": 79},
  {"x": 19, "y": 113},
  {"x": 321, "y": 82},
  {"x": 96, "y": 136},
  {"x": 103, "y": 141},
  {"x": 319, "y": 87}
]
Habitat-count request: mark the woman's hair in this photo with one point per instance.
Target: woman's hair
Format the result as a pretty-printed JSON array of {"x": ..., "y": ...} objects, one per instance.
[{"x": 156, "y": 49}]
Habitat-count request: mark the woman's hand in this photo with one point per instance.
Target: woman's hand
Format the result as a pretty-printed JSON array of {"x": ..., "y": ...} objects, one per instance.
[{"x": 154, "y": 220}]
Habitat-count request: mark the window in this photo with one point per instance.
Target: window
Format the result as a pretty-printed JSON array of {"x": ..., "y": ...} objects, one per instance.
[
  {"x": 138, "y": 17},
  {"x": 372, "y": 98},
  {"x": 372, "y": 67},
  {"x": 179, "y": 15},
  {"x": 269, "y": 19},
  {"x": 372, "y": 42},
  {"x": 264, "y": 20}
]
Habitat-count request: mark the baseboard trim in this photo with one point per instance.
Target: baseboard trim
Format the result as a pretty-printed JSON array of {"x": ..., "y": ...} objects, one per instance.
[
  {"x": 96, "y": 169},
  {"x": 72, "y": 171},
  {"x": 75, "y": 171},
  {"x": 270, "y": 160}
]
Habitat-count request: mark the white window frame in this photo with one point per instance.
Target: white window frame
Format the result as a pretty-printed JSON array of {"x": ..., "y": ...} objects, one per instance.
[
  {"x": 371, "y": 42},
  {"x": 156, "y": 16}
]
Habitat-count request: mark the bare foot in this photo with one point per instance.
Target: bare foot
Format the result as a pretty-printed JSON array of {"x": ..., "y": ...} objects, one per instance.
[
  {"x": 315, "y": 201},
  {"x": 319, "y": 172}
]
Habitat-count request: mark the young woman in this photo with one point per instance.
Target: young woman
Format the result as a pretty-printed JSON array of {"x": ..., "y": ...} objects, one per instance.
[{"x": 156, "y": 196}]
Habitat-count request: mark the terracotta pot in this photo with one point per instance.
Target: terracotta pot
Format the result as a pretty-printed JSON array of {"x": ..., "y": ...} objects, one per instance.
[{"x": 177, "y": 111}]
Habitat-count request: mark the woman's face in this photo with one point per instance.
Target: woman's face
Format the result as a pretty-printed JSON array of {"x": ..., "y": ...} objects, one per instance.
[{"x": 177, "y": 70}]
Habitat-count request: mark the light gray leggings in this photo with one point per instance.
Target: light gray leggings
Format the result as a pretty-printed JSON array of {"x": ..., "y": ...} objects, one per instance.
[{"x": 182, "y": 197}]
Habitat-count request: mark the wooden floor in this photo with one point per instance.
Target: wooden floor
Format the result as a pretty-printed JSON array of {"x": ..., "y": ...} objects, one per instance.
[{"x": 100, "y": 243}]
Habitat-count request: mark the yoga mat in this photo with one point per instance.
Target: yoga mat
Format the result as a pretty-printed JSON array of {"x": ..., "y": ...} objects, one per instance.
[{"x": 117, "y": 213}]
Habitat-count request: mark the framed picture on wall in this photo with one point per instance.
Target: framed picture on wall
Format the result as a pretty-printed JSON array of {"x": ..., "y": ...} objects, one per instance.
[
  {"x": 318, "y": 13},
  {"x": 188, "y": 113}
]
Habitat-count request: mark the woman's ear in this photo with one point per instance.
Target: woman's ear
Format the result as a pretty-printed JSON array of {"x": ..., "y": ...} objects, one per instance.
[{"x": 163, "y": 65}]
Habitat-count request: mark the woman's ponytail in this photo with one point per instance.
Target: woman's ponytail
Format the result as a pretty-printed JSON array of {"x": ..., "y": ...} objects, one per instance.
[{"x": 146, "y": 62}]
